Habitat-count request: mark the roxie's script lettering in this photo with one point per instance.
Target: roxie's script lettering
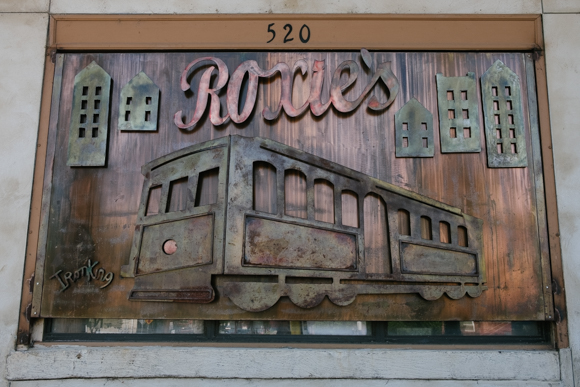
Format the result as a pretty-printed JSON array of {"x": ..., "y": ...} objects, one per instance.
[
  {"x": 85, "y": 271},
  {"x": 382, "y": 72}
]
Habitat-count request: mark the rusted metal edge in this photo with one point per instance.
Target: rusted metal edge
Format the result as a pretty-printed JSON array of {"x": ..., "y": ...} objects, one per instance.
[
  {"x": 558, "y": 285},
  {"x": 23, "y": 335},
  {"x": 208, "y": 145},
  {"x": 412, "y": 195},
  {"x": 538, "y": 176},
  {"x": 295, "y": 154},
  {"x": 47, "y": 186},
  {"x": 321, "y": 163},
  {"x": 198, "y": 294},
  {"x": 339, "y": 294}
]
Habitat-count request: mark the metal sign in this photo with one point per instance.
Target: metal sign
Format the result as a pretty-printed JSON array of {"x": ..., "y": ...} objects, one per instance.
[{"x": 222, "y": 197}]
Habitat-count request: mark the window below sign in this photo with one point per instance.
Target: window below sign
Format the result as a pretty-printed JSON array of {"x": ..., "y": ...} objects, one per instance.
[{"x": 351, "y": 332}]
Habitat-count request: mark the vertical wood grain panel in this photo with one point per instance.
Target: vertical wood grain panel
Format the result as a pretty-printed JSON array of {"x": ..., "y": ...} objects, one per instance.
[{"x": 377, "y": 254}]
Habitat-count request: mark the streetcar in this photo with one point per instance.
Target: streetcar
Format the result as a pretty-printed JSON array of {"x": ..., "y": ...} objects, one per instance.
[{"x": 269, "y": 220}]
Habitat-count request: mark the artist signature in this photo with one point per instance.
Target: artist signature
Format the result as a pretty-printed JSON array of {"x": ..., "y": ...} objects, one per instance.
[{"x": 85, "y": 271}]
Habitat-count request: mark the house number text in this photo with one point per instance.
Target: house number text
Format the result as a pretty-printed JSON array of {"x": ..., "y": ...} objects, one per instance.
[{"x": 303, "y": 33}]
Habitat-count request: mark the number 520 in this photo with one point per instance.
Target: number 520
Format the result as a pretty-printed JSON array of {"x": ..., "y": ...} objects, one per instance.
[{"x": 304, "y": 33}]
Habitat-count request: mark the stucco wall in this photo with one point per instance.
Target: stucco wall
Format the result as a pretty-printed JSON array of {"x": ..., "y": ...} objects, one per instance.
[
  {"x": 22, "y": 41},
  {"x": 23, "y": 31},
  {"x": 562, "y": 39}
]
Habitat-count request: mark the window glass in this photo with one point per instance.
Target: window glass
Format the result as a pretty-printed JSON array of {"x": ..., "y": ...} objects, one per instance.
[
  {"x": 125, "y": 326},
  {"x": 228, "y": 330}
]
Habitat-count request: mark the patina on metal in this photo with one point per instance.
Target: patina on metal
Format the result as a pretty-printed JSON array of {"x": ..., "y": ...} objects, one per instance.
[
  {"x": 279, "y": 244},
  {"x": 458, "y": 103},
  {"x": 139, "y": 104},
  {"x": 504, "y": 121},
  {"x": 194, "y": 230},
  {"x": 266, "y": 241},
  {"x": 244, "y": 151},
  {"x": 414, "y": 131},
  {"x": 89, "y": 126},
  {"x": 91, "y": 213}
]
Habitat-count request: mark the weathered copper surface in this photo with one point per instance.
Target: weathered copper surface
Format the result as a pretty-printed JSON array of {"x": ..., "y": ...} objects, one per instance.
[
  {"x": 278, "y": 244},
  {"x": 139, "y": 104},
  {"x": 191, "y": 240},
  {"x": 243, "y": 153},
  {"x": 265, "y": 241},
  {"x": 458, "y": 103},
  {"x": 504, "y": 121},
  {"x": 194, "y": 230},
  {"x": 91, "y": 213},
  {"x": 414, "y": 131},
  {"x": 89, "y": 124},
  {"x": 421, "y": 259}
]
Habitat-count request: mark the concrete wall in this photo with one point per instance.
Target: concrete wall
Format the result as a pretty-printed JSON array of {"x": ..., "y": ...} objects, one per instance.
[
  {"x": 23, "y": 31},
  {"x": 22, "y": 42},
  {"x": 562, "y": 38}
]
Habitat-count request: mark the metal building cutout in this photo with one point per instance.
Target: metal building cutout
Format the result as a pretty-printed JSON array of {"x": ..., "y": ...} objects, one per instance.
[
  {"x": 414, "y": 131},
  {"x": 458, "y": 114},
  {"x": 179, "y": 241},
  {"x": 139, "y": 104},
  {"x": 504, "y": 121},
  {"x": 89, "y": 127}
]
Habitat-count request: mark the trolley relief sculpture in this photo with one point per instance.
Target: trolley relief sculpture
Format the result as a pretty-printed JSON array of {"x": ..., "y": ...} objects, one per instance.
[{"x": 269, "y": 242}]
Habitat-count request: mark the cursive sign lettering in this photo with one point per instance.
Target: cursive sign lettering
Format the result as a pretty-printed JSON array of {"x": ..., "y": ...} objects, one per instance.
[
  {"x": 382, "y": 73},
  {"x": 86, "y": 271}
]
